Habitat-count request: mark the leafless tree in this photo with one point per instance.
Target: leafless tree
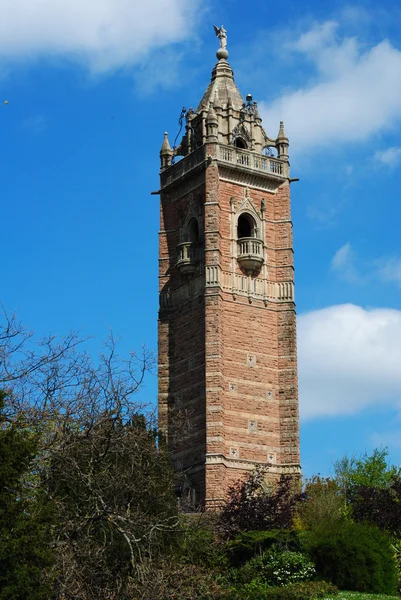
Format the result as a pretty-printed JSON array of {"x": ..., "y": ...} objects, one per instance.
[{"x": 101, "y": 461}]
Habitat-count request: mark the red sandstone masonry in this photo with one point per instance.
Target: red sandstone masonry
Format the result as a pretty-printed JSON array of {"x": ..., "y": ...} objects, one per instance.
[{"x": 205, "y": 345}]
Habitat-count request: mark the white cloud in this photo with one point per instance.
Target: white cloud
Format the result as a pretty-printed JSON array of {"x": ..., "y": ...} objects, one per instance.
[
  {"x": 101, "y": 34},
  {"x": 390, "y": 157},
  {"x": 349, "y": 359},
  {"x": 389, "y": 270},
  {"x": 357, "y": 92},
  {"x": 349, "y": 267},
  {"x": 343, "y": 263}
]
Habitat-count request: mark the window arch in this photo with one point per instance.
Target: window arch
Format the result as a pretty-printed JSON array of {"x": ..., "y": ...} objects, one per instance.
[
  {"x": 239, "y": 142},
  {"x": 246, "y": 226},
  {"x": 193, "y": 231}
]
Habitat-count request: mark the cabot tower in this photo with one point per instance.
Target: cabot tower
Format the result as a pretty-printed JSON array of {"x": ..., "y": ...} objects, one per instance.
[{"x": 228, "y": 397}]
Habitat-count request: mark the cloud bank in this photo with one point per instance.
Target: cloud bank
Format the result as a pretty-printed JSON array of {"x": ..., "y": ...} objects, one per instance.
[
  {"x": 356, "y": 92},
  {"x": 349, "y": 359},
  {"x": 101, "y": 34}
]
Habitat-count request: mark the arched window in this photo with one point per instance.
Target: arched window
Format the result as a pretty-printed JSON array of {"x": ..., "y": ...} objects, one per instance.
[
  {"x": 240, "y": 143},
  {"x": 193, "y": 231},
  {"x": 246, "y": 226}
]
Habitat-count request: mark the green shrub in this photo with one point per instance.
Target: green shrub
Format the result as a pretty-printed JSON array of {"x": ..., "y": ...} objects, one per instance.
[
  {"x": 252, "y": 543},
  {"x": 275, "y": 568},
  {"x": 354, "y": 556},
  {"x": 396, "y": 547},
  {"x": 308, "y": 590},
  {"x": 282, "y": 568},
  {"x": 198, "y": 546},
  {"x": 272, "y": 569}
]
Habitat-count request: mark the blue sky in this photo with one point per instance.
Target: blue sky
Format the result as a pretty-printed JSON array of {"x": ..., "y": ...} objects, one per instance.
[{"x": 92, "y": 85}]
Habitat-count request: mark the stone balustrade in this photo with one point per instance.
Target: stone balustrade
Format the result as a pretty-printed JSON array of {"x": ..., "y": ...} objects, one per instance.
[
  {"x": 251, "y": 160},
  {"x": 250, "y": 254},
  {"x": 187, "y": 257}
]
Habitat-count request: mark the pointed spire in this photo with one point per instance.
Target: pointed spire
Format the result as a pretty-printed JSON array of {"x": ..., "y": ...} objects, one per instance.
[
  {"x": 282, "y": 143},
  {"x": 211, "y": 116},
  {"x": 166, "y": 153},
  {"x": 212, "y": 123},
  {"x": 166, "y": 148},
  {"x": 281, "y": 133}
]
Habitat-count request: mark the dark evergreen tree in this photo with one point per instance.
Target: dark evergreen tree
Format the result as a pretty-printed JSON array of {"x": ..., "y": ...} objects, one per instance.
[{"x": 26, "y": 516}]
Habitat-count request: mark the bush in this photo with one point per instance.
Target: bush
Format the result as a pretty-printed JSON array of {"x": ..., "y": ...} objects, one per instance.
[
  {"x": 381, "y": 507},
  {"x": 354, "y": 556},
  {"x": 296, "y": 591},
  {"x": 396, "y": 547},
  {"x": 252, "y": 507},
  {"x": 276, "y": 568},
  {"x": 252, "y": 543},
  {"x": 282, "y": 568},
  {"x": 321, "y": 502},
  {"x": 198, "y": 546}
]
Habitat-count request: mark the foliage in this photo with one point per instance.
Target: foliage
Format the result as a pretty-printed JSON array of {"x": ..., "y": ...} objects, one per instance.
[
  {"x": 380, "y": 506},
  {"x": 321, "y": 502},
  {"x": 282, "y": 568},
  {"x": 25, "y": 517},
  {"x": 252, "y": 543},
  {"x": 168, "y": 579},
  {"x": 198, "y": 544},
  {"x": 354, "y": 556},
  {"x": 396, "y": 547},
  {"x": 367, "y": 471},
  {"x": 276, "y": 568},
  {"x": 308, "y": 590},
  {"x": 251, "y": 507},
  {"x": 361, "y": 596},
  {"x": 113, "y": 489},
  {"x": 98, "y": 461}
]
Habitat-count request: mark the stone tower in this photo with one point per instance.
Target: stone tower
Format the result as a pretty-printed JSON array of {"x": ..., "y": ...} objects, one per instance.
[{"x": 228, "y": 397}]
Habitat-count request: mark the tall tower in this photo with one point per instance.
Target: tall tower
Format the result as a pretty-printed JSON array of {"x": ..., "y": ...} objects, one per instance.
[{"x": 228, "y": 397}]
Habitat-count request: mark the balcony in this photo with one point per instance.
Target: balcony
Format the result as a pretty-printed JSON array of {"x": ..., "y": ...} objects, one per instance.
[
  {"x": 187, "y": 258},
  {"x": 250, "y": 254},
  {"x": 267, "y": 165}
]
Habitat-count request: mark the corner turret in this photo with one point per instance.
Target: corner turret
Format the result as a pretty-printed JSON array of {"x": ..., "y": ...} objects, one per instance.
[
  {"x": 282, "y": 143},
  {"x": 166, "y": 153}
]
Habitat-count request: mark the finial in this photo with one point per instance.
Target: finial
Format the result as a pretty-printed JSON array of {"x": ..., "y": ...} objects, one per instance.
[{"x": 221, "y": 33}]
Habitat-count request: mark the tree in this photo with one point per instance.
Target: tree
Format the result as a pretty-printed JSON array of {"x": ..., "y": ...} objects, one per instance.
[
  {"x": 372, "y": 489},
  {"x": 379, "y": 506},
  {"x": 98, "y": 460},
  {"x": 26, "y": 517},
  {"x": 369, "y": 471},
  {"x": 250, "y": 506},
  {"x": 113, "y": 487},
  {"x": 322, "y": 502}
]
